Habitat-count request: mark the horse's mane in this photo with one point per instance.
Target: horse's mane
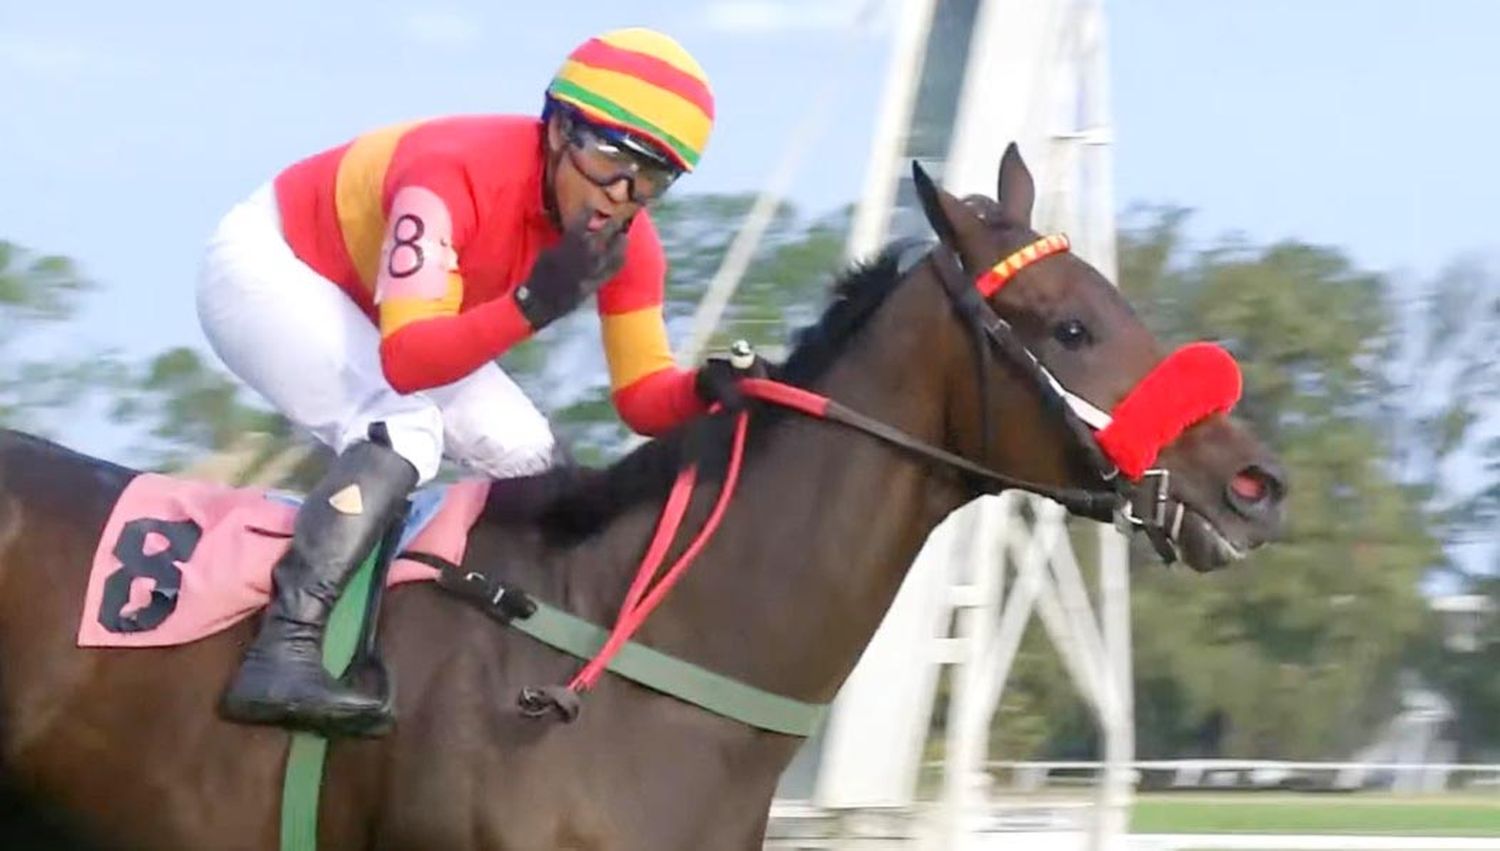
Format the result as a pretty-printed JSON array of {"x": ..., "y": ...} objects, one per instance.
[{"x": 571, "y": 502}]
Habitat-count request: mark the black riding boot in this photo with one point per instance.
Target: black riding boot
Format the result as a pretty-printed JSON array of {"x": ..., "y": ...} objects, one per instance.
[{"x": 282, "y": 680}]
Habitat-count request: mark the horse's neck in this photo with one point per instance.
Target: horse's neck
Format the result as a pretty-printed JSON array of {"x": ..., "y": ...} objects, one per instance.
[{"x": 826, "y": 520}]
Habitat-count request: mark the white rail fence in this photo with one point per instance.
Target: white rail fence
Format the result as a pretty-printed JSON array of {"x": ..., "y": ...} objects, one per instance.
[{"x": 1260, "y": 774}]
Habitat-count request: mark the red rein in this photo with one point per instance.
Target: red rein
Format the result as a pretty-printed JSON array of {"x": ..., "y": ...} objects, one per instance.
[{"x": 639, "y": 603}]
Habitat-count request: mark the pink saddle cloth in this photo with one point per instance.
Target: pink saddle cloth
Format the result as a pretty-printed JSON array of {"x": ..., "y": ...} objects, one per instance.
[{"x": 181, "y": 560}]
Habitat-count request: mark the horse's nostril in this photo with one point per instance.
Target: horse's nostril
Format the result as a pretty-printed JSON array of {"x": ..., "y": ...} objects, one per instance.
[
  {"x": 1249, "y": 486},
  {"x": 1256, "y": 486}
]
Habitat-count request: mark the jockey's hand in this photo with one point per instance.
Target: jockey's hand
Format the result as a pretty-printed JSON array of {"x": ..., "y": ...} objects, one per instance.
[
  {"x": 571, "y": 271},
  {"x": 717, "y": 381}
]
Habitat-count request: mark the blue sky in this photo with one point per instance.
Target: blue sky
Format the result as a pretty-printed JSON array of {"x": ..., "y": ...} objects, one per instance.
[{"x": 127, "y": 129}]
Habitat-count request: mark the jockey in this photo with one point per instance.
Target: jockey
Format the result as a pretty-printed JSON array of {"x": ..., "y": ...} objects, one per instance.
[{"x": 367, "y": 291}]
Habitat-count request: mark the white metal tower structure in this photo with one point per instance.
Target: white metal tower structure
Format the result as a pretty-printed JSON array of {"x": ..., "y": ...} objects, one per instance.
[{"x": 968, "y": 77}]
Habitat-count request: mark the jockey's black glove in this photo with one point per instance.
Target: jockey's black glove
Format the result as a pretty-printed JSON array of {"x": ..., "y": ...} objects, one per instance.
[
  {"x": 717, "y": 381},
  {"x": 570, "y": 271}
]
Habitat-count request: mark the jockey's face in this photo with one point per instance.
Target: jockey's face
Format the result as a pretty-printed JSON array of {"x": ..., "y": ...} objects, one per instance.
[{"x": 575, "y": 194}]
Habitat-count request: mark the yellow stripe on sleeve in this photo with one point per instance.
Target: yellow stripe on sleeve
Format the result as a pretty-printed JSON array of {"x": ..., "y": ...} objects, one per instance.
[
  {"x": 357, "y": 197},
  {"x": 635, "y": 344},
  {"x": 397, "y": 313}
]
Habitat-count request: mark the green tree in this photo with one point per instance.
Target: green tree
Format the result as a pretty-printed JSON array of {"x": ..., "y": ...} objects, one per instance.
[
  {"x": 36, "y": 287},
  {"x": 37, "y": 291},
  {"x": 784, "y": 286},
  {"x": 1294, "y": 653},
  {"x": 186, "y": 408},
  {"x": 1445, "y": 414},
  {"x": 1447, "y": 400}
]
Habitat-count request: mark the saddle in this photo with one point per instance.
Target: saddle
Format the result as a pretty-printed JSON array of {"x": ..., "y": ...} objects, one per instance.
[{"x": 181, "y": 560}]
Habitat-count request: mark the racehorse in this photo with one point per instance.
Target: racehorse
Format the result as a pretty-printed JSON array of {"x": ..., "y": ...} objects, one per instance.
[{"x": 123, "y": 749}]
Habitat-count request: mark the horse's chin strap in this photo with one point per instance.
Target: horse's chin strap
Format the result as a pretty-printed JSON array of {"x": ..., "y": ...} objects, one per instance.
[{"x": 1149, "y": 506}]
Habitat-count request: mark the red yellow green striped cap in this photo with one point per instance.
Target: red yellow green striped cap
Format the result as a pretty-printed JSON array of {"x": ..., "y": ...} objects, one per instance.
[{"x": 643, "y": 82}]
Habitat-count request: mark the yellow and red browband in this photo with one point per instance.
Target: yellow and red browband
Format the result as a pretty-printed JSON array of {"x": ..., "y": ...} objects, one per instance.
[{"x": 1000, "y": 274}]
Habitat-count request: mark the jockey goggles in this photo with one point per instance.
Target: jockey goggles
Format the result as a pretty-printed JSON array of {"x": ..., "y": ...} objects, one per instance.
[{"x": 606, "y": 156}]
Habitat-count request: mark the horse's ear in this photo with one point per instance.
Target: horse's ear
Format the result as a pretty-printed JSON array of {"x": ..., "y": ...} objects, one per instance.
[
  {"x": 933, "y": 206},
  {"x": 1015, "y": 190}
]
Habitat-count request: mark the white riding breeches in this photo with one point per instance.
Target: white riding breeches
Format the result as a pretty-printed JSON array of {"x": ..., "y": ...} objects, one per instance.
[{"x": 303, "y": 344}]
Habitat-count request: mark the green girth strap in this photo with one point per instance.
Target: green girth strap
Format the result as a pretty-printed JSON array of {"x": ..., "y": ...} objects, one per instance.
[
  {"x": 670, "y": 675},
  {"x": 304, "y": 762}
]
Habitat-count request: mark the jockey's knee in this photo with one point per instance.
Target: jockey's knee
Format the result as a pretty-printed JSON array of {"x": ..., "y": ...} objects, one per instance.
[{"x": 519, "y": 444}]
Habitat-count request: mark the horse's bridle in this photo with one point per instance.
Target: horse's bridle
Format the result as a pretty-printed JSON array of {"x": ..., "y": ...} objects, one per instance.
[{"x": 1147, "y": 505}]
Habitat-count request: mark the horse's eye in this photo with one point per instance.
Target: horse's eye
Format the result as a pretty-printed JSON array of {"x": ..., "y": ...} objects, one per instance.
[{"x": 1073, "y": 334}]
